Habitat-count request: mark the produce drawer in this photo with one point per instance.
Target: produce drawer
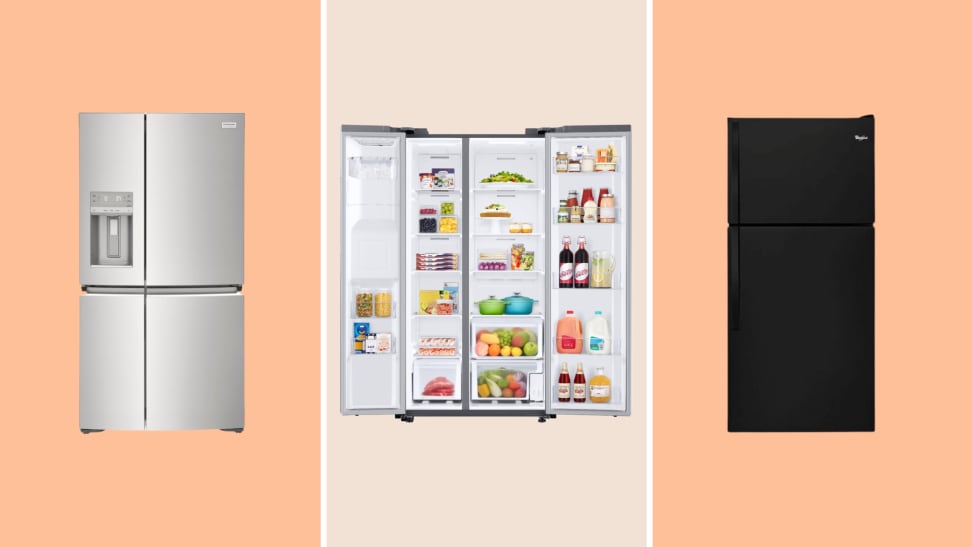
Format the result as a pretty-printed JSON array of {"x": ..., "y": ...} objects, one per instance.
[
  {"x": 506, "y": 337},
  {"x": 431, "y": 379},
  {"x": 491, "y": 381}
]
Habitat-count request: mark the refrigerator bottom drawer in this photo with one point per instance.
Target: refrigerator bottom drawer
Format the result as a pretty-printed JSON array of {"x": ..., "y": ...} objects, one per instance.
[{"x": 194, "y": 361}]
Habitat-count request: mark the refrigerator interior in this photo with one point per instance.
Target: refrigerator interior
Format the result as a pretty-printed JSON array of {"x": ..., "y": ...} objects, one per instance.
[
  {"x": 507, "y": 242},
  {"x": 371, "y": 247},
  {"x": 433, "y": 250},
  {"x": 609, "y": 238}
]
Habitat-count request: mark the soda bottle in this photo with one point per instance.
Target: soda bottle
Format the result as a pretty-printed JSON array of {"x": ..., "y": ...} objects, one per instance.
[
  {"x": 566, "y": 265},
  {"x": 580, "y": 385},
  {"x": 582, "y": 267},
  {"x": 563, "y": 385}
]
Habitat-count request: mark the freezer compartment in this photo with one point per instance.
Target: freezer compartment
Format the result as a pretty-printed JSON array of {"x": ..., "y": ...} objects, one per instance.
[
  {"x": 433, "y": 337},
  {"x": 506, "y": 337},
  {"x": 112, "y": 361},
  {"x": 194, "y": 361},
  {"x": 506, "y": 381},
  {"x": 436, "y": 380},
  {"x": 434, "y": 164}
]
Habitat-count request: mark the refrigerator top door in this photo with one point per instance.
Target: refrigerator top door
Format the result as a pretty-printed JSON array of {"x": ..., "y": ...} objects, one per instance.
[
  {"x": 194, "y": 189},
  {"x": 112, "y": 164},
  {"x": 801, "y": 170}
]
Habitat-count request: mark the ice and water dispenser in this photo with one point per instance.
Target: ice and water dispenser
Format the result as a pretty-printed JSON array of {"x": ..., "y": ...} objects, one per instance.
[{"x": 111, "y": 228}]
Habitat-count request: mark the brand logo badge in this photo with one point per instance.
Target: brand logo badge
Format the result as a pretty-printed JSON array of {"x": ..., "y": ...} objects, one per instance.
[
  {"x": 860, "y": 137},
  {"x": 229, "y": 125}
]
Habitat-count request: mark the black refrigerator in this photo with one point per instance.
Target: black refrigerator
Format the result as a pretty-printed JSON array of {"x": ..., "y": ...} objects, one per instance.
[{"x": 801, "y": 274}]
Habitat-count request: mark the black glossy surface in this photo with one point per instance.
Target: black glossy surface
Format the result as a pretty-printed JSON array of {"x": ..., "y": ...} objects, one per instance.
[{"x": 802, "y": 355}]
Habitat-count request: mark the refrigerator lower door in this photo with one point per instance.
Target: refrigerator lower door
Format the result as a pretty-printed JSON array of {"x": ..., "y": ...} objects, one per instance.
[
  {"x": 801, "y": 328},
  {"x": 194, "y": 361},
  {"x": 112, "y": 371}
]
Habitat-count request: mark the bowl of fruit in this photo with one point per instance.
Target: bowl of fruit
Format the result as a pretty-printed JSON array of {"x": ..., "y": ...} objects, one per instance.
[{"x": 512, "y": 342}]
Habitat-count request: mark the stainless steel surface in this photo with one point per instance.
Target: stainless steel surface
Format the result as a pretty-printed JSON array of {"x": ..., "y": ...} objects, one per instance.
[
  {"x": 192, "y": 290},
  {"x": 111, "y": 155},
  {"x": 113, "y": 289},
  {"x": 194, "y": 188},
  {"x": 194, "y": 363},
  {"x": 111, "y": 362}
]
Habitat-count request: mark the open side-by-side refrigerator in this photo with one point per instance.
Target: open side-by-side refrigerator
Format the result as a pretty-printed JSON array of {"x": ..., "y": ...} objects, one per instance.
[{"x": 451, "y": 267}]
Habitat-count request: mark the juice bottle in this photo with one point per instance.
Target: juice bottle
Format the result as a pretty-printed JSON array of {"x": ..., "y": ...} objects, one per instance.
[
  {"x": 600, "y": 387},
  {"x": 598, "y": 335},
  {"x": 563, "y": 384},
  {"x": 570, "y": 334},
  {"x": 580, "y": 385}
]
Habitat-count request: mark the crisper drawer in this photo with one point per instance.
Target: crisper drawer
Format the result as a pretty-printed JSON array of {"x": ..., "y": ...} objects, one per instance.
[
  {"x": 506, "y": 380},
  {"x": 434, "y": 380},
  {"x": 506, "y": 337}
]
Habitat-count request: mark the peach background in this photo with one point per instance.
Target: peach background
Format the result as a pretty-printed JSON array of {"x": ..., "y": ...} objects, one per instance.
[
  {"x": 909, "y": 482},
  {"x": 57, "y": 486},
  {"x": 480, "y": 68}
]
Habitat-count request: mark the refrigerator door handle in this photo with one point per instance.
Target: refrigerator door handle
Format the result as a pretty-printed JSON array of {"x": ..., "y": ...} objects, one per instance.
[{"x": 733, "y": 278}]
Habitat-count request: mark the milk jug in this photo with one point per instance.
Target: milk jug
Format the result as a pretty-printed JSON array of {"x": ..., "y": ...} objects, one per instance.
[{"x": 598, "y": 335}]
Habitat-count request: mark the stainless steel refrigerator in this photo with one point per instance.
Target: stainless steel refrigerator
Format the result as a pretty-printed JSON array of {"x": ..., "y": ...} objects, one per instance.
[{"x": 161, "y": 270}]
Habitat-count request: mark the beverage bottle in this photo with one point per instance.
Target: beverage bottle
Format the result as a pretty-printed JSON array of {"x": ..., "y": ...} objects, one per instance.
[
  {"x": 582, "y": 266},
  {"x": 566, "y": 265},
  {"x": 580, "y": 385},
  {"x": 598, "y": 335},
  {"x": 600, "y": 387},
  {"x": 563, "y": 384},
  {"x": 570, "y": 334}
]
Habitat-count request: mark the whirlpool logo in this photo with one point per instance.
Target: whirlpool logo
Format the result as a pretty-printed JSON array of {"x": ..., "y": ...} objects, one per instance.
[{"x": 859, "y": 138}]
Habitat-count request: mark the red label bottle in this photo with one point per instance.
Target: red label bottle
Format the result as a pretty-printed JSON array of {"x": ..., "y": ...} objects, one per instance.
[
  {"x": 580, "y": 385},
  {"x": 563, "y": 385},
  {"x": 582, "y": 278},
  {"x": 566, "y": 265}
]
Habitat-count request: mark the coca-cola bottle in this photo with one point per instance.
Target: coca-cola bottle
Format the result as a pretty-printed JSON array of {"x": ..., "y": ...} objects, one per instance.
[
  {"x": 582, "y": 266},
  {"x": 566, "y": 265},
  {"x": 563, "y": 384}
]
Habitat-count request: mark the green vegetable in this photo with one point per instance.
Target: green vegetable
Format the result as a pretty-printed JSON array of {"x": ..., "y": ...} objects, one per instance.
[
  {"x": 481, "y": 380},
  {"x": 494, "y": 389}
]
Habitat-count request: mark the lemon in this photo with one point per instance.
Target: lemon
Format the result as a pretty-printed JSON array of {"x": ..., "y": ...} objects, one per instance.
[
  {"x": 516, "y": 352},
  {"x": 505, "y": 351}
]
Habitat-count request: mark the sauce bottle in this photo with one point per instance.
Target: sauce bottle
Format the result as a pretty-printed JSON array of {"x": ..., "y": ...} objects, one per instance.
[
  {"x": 563, "y": 384},
  {"x": 580, "y": 385},
  {"x": 600, "y": 387}
]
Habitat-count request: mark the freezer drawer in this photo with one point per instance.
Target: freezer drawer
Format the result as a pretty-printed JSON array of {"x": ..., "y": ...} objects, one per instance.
[
  {"x": 194, "y": 361},
  {"x": 801, "y": 329},
  {"x": 112, "y": 361},
  {"x": 801, "y": 171},
  {"x": 194, "y": 207}
]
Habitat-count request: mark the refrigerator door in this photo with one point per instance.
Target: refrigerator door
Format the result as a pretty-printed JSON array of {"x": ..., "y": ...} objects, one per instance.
[
  {"x": 194, "y": 188},
  {"x": 801, "y": 328},
  {"x": 372, "y": 237},
  {"x": 194, "y": 363},
  {"x": 112, "y": 165},
  {"x": 112, "y": 370},
  {"x": 609, "y": 240},
  {"x": 801, "y": 171}
]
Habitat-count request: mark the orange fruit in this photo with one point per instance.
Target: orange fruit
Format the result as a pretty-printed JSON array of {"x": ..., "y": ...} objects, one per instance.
[{"x": 494, "y": 350}]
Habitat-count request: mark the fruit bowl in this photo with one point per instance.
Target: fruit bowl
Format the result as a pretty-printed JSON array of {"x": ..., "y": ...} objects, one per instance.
[{"x": 502, "y": 384}]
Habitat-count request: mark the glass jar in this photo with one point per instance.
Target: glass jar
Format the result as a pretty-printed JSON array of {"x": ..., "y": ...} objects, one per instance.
[
  {"x": 607, "y": 210},
  {"x": 572, "y": 198},
  {"x": 573, "y": 165},
  {"x": 587, "y": 163},
  {"x": 563, "y": 215},
  {"x": 576, "y": 214},
  {"x": 561, "y": 162}
]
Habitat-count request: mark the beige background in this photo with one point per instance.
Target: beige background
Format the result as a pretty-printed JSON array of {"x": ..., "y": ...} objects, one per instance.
[
  {"x": 480, "y": 68},
  {"x": 908, "y": 483},
  {"x": 57, "y": 486}
]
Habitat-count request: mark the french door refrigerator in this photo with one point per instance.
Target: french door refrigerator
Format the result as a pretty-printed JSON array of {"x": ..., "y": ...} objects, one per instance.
[
  {"x": 801, "y": 274},
  {"x": 450, "y": 303},
  {"x": 161, "y": 267}
]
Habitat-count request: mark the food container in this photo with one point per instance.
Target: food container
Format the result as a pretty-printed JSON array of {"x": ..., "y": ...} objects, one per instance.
[
  {"x": 515, "y": 227},
  {"x": 491, "y": 306},
  {"x": 443, "y": 306},
  {"x": 364, "y": 303},
  {"x": 445, "y": 178},
  {"x": 561, "y": 162},
  {"x": 516, "y": 256},
  {"x": 573, "y": 165},
  {"x": 426, "y": 181},
  {"x": 519, "y": 305},
  {"x": 605, "y": 166},
  {"x": 383, "y": 304},
  {"x": 428, "y": 224},
  {"x": 448, "y": 224},
  {"x": 361, "y": 331},
  {"x": 587, "y": 163},
  {"x": 526, "y": 228},
  {"x": 526, "y": 263},
  {"x": 491, "y": 261},
  {"x": 447, "y": 208}
]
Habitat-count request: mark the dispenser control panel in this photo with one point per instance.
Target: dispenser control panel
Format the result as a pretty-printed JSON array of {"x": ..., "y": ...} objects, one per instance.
[{"x": 111, "y": 203}]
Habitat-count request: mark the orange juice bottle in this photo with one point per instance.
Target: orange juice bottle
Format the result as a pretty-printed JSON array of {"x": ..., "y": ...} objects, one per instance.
[
  {"x": 600, "y": 387},
  {"x": 570, "y": 335}
]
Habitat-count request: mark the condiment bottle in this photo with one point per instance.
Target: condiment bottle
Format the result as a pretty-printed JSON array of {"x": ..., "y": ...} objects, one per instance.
[
  {"x": 607, "y": 210},
  {"x": 563, "y": 385},
  {"x": 563, "y": 215},
  {"x": 600, "y": 387},
  {"x": 580, "y": 385},
  {"x": 572, "y": 198},
  {"x": 587, "y": 163},
  {"x": 573, "y": 165},
  {"x": 590, "y": 206},
  {"x": 561, "y": 162}
]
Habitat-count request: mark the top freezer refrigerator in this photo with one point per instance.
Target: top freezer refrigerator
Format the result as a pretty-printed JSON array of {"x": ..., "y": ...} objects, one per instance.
[
  {"x": 161, "y": 264},
  {"x": 801, "y": 274},
  {"x": 439, "y": 229}
]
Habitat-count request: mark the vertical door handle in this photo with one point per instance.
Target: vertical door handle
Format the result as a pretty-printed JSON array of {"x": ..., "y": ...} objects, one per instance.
[{"x": 733, "y": 278}]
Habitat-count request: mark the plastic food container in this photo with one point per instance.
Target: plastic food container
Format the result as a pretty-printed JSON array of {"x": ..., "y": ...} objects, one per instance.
[
  {"x": 364, "y": 303},
  {"x": 443, "y": 306},
  {"x": 448, "y": 224},
  {"x": 383, "y": 304}
]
